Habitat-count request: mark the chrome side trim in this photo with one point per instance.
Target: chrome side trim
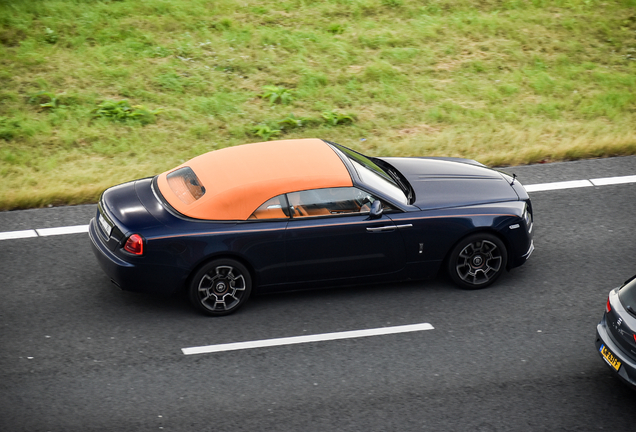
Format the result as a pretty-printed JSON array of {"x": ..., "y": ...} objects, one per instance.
[{"x": 530, "y": 250}]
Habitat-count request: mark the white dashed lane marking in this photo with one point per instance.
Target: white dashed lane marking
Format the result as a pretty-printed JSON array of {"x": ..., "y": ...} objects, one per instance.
[
  {"x": 580, "y": 183},
  {"x": 44, "y": 232},
  {"x": 540, "y": 187},
  {"x": 10, "y": 235},
  {"x": 614, "y": 180},
  {"x": 558, "y": 185},
  {"x": 306, "y": 339}
]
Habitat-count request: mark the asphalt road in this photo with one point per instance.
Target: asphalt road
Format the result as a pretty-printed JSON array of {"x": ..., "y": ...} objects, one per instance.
[{"x": 77, "y": 354}]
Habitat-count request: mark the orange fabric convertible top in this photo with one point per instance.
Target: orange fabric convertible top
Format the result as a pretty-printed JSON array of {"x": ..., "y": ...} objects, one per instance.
[{"x": 238, "y": 180}]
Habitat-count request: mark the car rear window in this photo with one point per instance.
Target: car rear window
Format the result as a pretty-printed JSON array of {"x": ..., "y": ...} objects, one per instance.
[
  {"x": 185, "y": 185},
  {"x": 627, "y": 294}
]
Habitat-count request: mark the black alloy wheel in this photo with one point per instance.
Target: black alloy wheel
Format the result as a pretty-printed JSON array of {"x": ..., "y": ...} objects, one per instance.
[
  {"x": 220, "y": 287},
  {"x": 477, "y": 261}
]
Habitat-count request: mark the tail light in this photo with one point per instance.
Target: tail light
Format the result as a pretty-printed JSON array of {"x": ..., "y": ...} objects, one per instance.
[
  {"x": 135, "y": 245},
  {"x": 608, "y": 308}
]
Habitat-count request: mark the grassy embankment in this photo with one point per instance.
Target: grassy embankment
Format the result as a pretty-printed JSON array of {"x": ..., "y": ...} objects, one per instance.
[{"x": 500, "y": 81}]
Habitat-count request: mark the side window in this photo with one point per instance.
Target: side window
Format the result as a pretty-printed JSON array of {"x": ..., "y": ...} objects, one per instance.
[
  {"x": 274, "y": 208},
  {"x": 330, "y": 201}
]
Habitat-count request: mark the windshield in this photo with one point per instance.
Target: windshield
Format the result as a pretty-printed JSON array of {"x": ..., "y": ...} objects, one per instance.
[{"x": 374, "y": 176}]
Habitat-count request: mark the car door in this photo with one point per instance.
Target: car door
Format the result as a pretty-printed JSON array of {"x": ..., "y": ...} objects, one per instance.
[
  {"x": 331, "y": 236},
  {"x": 263, "y": 241}
]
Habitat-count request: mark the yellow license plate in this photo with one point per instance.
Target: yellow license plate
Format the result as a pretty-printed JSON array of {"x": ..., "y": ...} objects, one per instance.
[{"x": 609, "y": 357}]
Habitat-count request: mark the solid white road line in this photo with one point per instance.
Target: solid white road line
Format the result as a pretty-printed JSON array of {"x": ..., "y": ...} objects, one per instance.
[
  {"x": 43, "y": 232},
  {"x": 10, "y": 235},
  {"x": 306, "y": 339}
]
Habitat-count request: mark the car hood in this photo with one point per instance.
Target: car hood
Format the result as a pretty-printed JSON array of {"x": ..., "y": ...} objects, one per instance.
[{"x": 442, "y": 183}]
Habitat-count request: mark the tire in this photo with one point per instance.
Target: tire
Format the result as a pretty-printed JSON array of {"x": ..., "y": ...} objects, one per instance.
[
  {"x": 220, "y": 287},
  {"x": 477, "y": 261}
]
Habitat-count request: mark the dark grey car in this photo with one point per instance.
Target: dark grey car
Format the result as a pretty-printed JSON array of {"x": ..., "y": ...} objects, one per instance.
[{"x": 616, "y": 333}]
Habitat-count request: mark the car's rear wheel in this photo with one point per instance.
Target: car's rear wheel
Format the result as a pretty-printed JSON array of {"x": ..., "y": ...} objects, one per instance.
[
  {"x": 477, "y": 261},
  {"x": 220, "y": 287}
]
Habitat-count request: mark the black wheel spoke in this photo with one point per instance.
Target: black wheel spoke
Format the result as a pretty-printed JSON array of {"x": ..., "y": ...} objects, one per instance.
[
  {"x": 220, "y": 287},
  {"x": 477, "y": 261}
]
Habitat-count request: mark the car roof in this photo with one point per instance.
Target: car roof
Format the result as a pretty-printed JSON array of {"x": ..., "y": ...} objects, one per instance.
[{"x": 237, "y": 180}]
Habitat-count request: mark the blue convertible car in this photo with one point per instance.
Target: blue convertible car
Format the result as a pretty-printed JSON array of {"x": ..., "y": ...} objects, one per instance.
[{"x": 303, "y": 213}]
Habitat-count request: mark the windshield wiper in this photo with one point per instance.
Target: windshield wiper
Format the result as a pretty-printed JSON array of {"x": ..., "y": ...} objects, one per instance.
[
  {"x": 397, "y": 177},
  {"x": 407, "y": 190}
]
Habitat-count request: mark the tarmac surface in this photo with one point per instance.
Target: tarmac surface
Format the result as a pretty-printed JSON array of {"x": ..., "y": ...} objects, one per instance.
[{"x": 77, "y": 354}]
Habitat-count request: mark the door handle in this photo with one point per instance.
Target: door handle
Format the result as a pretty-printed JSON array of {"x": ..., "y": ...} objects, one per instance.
[
  {"x": 389, "y": 228},
  {"x": 384, "y": 228}
]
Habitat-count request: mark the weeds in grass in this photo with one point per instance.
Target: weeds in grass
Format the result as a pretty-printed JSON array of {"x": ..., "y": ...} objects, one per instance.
[
  {"x": 265, "y": 131},
  {"x": 335, "y": 118},
  {"x": 277, "y": 94},
  {"x": 122, "y": 111},
  {"x": 50, "y": 36},
  {"x": 293, "y": 122},
  {"x": 45, "y": 99},
  {"x": 336, "y": 29}
]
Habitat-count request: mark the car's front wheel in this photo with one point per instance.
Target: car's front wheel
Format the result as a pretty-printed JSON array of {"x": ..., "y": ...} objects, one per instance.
[
  {"x": 477, "y": 261},
  {"x": 220, "y": 287}
]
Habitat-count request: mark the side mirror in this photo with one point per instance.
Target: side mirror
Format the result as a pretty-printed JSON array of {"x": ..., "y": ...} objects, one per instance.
[{"x": 376, "y": 210}]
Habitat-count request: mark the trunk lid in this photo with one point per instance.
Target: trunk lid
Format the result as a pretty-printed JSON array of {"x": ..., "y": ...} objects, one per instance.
[{"x": 121, "y": 213}]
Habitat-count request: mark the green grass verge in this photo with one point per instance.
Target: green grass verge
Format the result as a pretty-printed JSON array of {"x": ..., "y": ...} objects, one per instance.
[{"x": 94, "y": 93}]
